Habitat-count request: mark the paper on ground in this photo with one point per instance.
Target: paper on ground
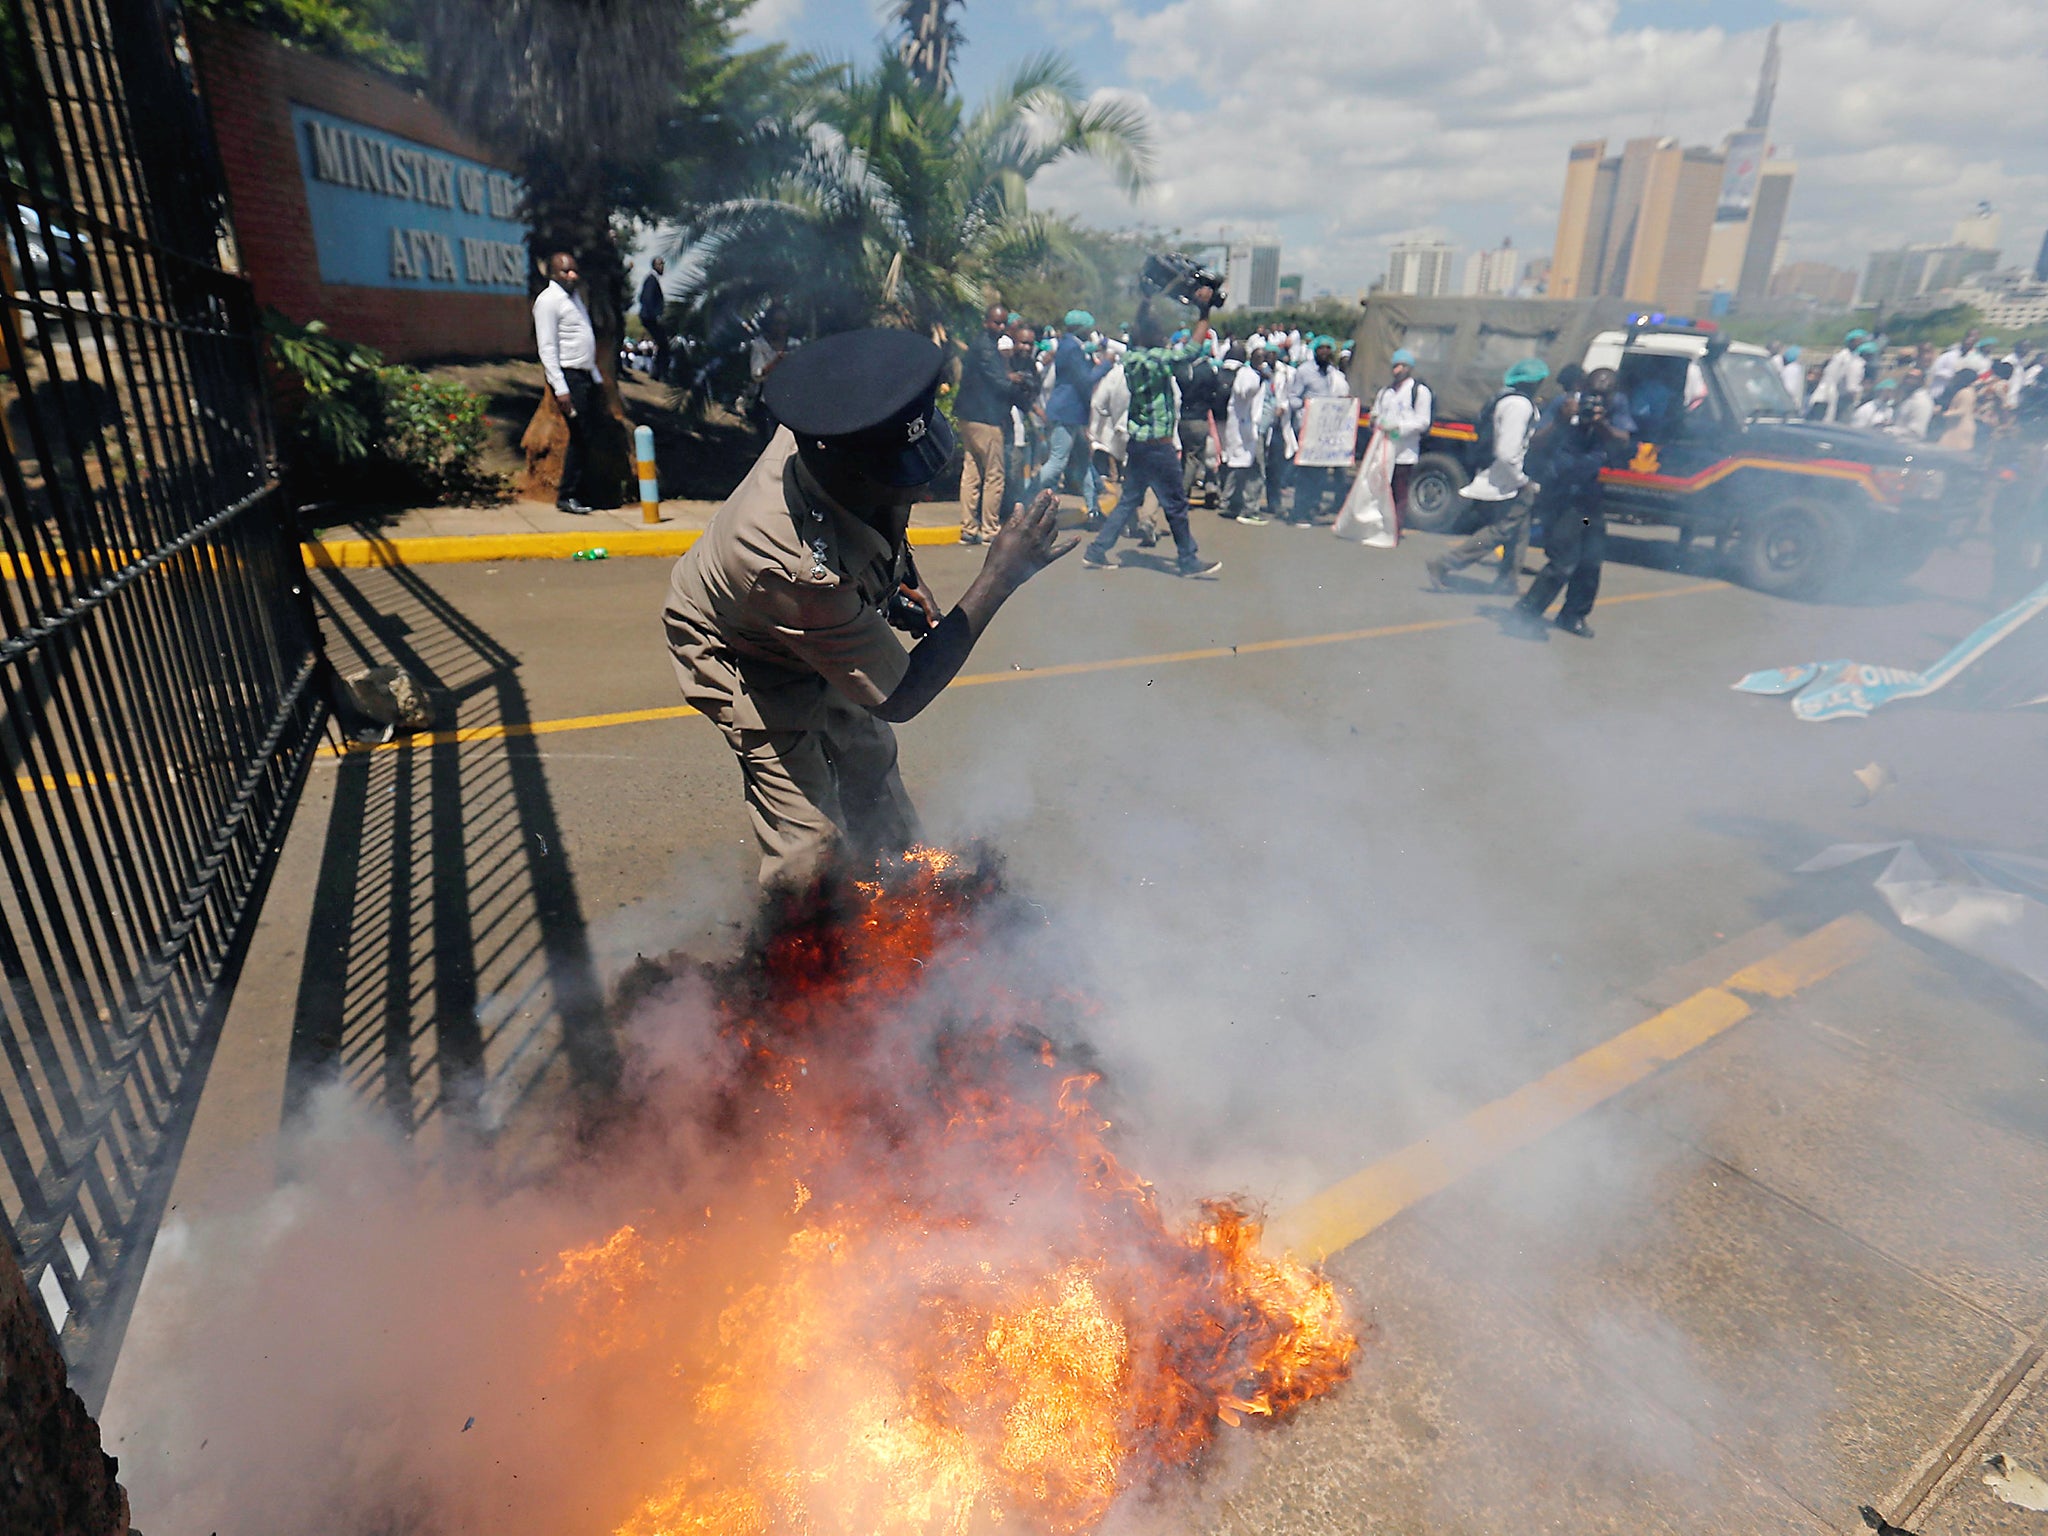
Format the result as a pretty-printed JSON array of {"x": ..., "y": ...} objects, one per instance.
[{"x": 1999, "y": 915}]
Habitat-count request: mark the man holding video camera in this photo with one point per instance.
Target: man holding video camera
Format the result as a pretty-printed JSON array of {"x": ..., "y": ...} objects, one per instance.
[
  {"x": 1588, "y": 429},
  {"x": 1152, "y": 460}
]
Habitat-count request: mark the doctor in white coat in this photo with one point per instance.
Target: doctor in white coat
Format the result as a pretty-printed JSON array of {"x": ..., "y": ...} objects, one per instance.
[
  {"x": 1254, "y": 407},
  {"x": 1794, "y": 374},
  {"x": 1841, "y": 382},
  {"x": 1403, "y": 411}
]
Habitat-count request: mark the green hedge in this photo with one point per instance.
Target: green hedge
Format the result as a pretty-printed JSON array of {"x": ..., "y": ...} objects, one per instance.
[{"x": 355, "y": 426}]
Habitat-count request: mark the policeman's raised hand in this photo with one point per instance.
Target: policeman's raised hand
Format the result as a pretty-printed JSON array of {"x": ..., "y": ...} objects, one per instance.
[{"x": 1028, "y": 543}]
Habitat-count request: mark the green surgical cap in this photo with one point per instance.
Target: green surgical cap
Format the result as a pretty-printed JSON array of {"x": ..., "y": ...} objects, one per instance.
[
  {"x": 1080, "y": 320},
  {"x": 1530, "y": 370},
  {"x": 1855, "y": 336},
  {"x": 1403, "y": 355}
]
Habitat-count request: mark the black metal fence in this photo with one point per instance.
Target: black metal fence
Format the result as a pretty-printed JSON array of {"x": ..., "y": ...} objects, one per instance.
[{"x": 158, "y": 694}]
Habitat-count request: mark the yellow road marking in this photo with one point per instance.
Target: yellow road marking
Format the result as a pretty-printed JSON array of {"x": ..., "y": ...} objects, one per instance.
[
  {"x": 470, "y": 733},
  {"x": 73, "y": 780},
  {"x": 491, "y": 548},
  {"x": 1345, "y": 1212}
]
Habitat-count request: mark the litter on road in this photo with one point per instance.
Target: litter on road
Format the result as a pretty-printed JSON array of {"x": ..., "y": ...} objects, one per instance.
[{"x": 1837, "y": 690}]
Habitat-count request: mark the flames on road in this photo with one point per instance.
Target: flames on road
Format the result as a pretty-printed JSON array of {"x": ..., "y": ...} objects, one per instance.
[{"x": 934, "y": 1301}]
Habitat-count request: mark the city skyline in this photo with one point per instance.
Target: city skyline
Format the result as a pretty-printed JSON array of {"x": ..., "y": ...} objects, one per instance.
[{"x": 1356, "y": 126}]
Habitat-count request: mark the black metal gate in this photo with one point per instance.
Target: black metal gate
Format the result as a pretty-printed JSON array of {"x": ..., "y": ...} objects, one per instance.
[{"x": 158, "y": 698}]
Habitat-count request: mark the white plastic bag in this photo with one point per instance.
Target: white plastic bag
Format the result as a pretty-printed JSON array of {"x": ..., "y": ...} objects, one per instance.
[{"x": 1368, "y": 513}]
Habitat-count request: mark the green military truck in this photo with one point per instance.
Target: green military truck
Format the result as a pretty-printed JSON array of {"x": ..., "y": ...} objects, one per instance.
[{"x": 1722, "y": 451}]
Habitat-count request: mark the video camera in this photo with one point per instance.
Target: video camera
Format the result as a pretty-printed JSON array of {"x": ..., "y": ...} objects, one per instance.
[{"x": 1178, "y": 276}]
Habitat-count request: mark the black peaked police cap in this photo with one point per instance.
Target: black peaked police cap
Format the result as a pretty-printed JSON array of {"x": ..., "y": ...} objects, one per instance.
[{"x": 871, "y": 396}]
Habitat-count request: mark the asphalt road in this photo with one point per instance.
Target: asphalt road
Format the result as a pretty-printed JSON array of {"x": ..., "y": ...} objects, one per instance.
[
  {"x": 1397, "y": 868},
  {"x": 1379, "y": 866}
]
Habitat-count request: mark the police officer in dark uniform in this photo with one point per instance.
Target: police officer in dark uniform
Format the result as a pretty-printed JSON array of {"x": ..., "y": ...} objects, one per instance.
[{"x": 779, "y": 617}]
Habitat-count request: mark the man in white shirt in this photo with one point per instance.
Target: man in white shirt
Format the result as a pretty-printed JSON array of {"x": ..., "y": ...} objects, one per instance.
[
  {"x": 1794, "y": 374},
  {"x": 568, "y": 356},
  {"x": 1878, "y": 412},
  {"x": 1403, "y": 412},
  {"x": 1319, "y": 378},
  {"x": 1252, "y": 411},
  {"x": 1950, "y": 362},
  {"x": 1501, "y": 486},
  {"x": 1915, "y": 410},
  {"x": 1841, "y": 382}
]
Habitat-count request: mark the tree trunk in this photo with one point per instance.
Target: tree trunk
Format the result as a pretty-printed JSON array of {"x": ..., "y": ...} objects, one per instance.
[
  {"x": 54, "y": 1478},
  {"x": 583, "y": 228}
]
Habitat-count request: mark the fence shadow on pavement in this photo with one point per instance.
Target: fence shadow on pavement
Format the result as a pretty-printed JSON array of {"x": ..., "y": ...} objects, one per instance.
[{"x": 447, "y": 971}]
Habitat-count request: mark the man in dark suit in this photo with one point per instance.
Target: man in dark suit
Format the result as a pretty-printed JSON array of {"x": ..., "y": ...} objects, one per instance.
[{"x": 653, "y": 300}]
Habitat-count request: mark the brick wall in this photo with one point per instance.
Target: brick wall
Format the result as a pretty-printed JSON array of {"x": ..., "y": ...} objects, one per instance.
[{"x": 249, "y": 82}]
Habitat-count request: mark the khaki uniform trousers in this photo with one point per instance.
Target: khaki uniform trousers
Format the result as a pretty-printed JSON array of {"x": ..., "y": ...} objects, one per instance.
[
  {"x": 983, "y": 448},
  {"x": 811, "y": 791}
]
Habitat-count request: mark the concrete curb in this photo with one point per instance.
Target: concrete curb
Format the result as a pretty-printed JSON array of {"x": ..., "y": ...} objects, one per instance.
[{"x": 473, "y": 548}]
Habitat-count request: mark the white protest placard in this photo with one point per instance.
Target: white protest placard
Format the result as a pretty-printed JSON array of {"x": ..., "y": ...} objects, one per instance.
[{"x": 1329, "y": 432}]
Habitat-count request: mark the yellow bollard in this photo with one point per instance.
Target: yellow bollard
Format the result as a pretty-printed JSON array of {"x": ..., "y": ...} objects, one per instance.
[{"x": 650, "y": 489}]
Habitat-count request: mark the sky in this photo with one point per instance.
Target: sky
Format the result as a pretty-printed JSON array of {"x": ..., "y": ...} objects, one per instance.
[{"x": 1343, "y": 126}]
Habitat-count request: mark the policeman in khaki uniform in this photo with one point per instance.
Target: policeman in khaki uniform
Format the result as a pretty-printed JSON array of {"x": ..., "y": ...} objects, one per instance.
[{"x": 779, "y": 617}]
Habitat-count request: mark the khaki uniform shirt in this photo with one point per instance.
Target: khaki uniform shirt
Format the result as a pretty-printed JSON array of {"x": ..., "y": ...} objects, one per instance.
[{"x": 780, "y": 603}]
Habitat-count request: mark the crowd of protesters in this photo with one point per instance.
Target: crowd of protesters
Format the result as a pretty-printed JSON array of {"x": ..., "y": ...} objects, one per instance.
[
  {"x": 1191, "y": 417},
  {"x": 1950, "y": 398},
  {"x": 1063, "y": 408}
]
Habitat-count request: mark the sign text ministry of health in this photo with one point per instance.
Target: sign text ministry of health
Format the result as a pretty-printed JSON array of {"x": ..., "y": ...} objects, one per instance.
[{"x": 388, "y": 212}]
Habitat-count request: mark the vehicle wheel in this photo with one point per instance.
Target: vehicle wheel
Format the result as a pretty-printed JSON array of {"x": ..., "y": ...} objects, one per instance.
[
  {"x": 1434, "y": 505},
  {"x": 1791, "y": 549}
]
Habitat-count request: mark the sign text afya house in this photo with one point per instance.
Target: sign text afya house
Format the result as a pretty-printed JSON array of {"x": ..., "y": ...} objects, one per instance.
[
  {"x": 357, "y": 203},
  {"x": 390, "y": 212}
]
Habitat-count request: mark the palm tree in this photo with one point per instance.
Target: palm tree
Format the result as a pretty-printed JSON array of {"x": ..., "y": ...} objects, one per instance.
[
  {"x": 584, "y": 97},
  {"x": 895, "y": 203},
  {"x": 931, "y": 36}
]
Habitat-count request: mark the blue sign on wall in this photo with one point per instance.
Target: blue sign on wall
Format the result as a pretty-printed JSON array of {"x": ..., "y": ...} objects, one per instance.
[{"x": 392, "y": 213}]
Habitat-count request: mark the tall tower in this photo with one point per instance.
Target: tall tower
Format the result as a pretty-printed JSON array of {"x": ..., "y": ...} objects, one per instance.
[
  {"x": 1756, "y": 187},
  {"x": 1766, "y": 85}
]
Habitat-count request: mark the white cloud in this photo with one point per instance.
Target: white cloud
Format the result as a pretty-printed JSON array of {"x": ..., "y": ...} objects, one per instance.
[
  {"x": 772, "y": 20},
  {"x": 1348, "y": 121}
]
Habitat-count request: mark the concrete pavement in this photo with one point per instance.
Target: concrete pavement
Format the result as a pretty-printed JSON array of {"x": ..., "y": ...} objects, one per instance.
[{"x": 1344, "y": 864}]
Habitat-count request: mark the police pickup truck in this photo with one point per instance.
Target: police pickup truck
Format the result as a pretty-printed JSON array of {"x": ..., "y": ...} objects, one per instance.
[{"x": 1722, "y": 452}]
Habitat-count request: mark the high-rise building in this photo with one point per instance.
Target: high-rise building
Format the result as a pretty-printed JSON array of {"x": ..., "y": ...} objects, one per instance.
[
  {"x": 1814, "y": 280},
  {"x": 1894, "y": 278},
  {"x": 1979, "y": 229},
  {"x": 2041, "y": 262},
  {"x": 1582, "y": 221},
  {"x": 1262, "y": 291},
  {"x": 1660, "y": 223},
  {"x": 1756, "y": 189},
  {"x": 1422, "y": 268},
  {"x": 1635, "y": 226},
  {"x": 1251, "y": 270},
  {"x": 1766, "y": 84},
  {"x": 1490, "y": 272}
]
